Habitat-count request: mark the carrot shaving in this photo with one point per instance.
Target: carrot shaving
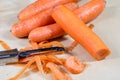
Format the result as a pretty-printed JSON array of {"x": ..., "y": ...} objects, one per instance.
[
  {"x": 34, "y": 59},
  {"x": 72, "y": 46},
  {"x": 4, "y": 45},
  {"x": 39, "y": 64},
  {"x": 53, "y": 58},
  {"x": 50, "y": 44},
  {"x": 23, "y": 70},
  {"x": 34, "y": 44}
]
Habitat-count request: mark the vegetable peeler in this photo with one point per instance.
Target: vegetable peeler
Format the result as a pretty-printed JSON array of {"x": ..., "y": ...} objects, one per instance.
[{"x": 13, "y": 55}]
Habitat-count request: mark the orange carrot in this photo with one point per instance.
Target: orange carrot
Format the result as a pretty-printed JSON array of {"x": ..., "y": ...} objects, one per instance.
[
  {"x": 46, "y": 33},
  {"x": 74, "y": 44},
  {"x": 74, "y": 65},
  {"x": 94, "y": 8},
  {"x": 39, "y": 6},
  {"x": 90, "y": 10},
  {"x": 77, "y": 29},
  {"x": 23, "y": 28}
]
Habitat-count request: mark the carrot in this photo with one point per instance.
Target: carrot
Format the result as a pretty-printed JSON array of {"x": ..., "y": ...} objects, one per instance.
[
  {"x": 74, "y": 44},
  {"x": 23, "y": 28},
  {"x": 90, "y": 10},
  {"x": 94, "y": 8},
  {"x": 74, "y": 65},
  {"x": 77, "y": 29},
  {"x": 46, "y": 33},
  {"x": 39, "y": 6}
]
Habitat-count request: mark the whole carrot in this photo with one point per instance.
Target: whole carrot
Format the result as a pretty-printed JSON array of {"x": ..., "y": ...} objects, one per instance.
[
  {"x": 46, "y": 32},
  {"x": 90, "y": 10},
  {"x": 23, "y": 28},
  {"x": 77, "y": 29},
  {"x": 40, "y": 5},
  {"x": 86, "y": 13}
]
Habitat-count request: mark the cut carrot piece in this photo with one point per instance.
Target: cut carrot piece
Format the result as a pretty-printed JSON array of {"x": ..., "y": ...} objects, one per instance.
[
  {"x": 74, "y": 65},
  {"x": 77, "y": 29}
]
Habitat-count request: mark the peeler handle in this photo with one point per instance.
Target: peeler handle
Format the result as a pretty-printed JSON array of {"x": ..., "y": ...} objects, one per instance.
[
  {"x": 8, "y": 54},
  {"x": 26, "y": 53}
]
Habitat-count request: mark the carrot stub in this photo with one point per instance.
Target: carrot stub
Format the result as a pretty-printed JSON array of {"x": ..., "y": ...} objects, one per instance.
[{"x": 77, "y": 29}]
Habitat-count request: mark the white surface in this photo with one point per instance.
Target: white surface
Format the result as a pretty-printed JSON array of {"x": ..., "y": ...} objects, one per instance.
[{"x": 107, "y": 26}]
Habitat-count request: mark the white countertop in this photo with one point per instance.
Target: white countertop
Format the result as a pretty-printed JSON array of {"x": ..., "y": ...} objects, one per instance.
[{"x": 107, "y": 26}]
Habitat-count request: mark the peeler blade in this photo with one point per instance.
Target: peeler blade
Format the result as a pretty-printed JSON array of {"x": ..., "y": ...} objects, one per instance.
[{"x": 8, "y": 56}]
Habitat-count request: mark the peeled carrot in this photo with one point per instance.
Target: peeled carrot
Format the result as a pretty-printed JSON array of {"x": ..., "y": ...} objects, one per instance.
[
  {"x": 23, "y": 28},
  {"x": 90, "y": 10},
  {"x": 74, "y": 43},
  {"x": 46, "y": 33},
  {"x": 77, "y": 29},
  {"x": 86, "y": 12},
  {"x": 39, "y": 6}
]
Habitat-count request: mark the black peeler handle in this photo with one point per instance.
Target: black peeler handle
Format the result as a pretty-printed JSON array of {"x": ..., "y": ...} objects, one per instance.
[
  {"x": 8, "y": 53},
  {"x": 26, "y": 53}
]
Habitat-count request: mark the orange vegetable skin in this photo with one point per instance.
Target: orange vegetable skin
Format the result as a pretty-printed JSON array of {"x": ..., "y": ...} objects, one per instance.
[
  {"x": 74, "y": 65},
  {"x": 57, "y": 72},
  {"x": 90, "y": 10},
  {"x": 46, "y": 32},
  {"x": 39, "y": 6},
  {"x": 77, "y": 29},
  {"x": 23, "y": 28}
]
